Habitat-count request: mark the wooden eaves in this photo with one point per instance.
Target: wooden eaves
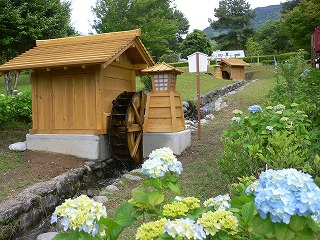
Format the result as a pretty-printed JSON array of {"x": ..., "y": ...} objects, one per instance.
[{"x": 82, "y": 51}]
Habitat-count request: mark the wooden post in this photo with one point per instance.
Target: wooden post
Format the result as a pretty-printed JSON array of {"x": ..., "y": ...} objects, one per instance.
[{"x": 198, "y": 95}]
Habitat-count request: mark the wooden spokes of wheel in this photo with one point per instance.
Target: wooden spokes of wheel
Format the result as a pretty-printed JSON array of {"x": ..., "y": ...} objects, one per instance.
[{"x": 126, "y": 126}]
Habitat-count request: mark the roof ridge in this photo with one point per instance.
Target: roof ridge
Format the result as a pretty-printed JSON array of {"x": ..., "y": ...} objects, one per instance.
[
  {"x": 100, "y": 37},
  {"x": 164, "y": 67}
]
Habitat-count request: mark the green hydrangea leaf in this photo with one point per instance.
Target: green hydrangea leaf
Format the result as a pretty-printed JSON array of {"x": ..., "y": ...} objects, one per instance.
[
  {"x": 247, "y": 211},
  {"x": 174, "y": 187},
  {"x": 61, "y": 236},
  {"x": 262, "y": 226},
  {"x": 313, "y": 225},
  {"x": 123, "y": 215},
  {"x": 154, "y": 182},
  {"x": 297, "y": 223},
  {"x": 223, "y": 235},
  {"x": 283, "y": 232},
  {"x": 306, "y": 234},
  {"x": 238, "y": 201},
  {"x": 139, "y": 195},
  {"x": 155, "y": 198}
]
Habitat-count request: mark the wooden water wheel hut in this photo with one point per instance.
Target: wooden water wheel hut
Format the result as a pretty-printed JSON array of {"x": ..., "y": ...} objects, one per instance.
[
  {"x": 84, "y": 89},
  {"x": 233, "y": 68}
]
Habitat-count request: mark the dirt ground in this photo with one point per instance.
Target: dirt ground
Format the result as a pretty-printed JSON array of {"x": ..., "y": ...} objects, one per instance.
[{"x": 39, "y": 166}]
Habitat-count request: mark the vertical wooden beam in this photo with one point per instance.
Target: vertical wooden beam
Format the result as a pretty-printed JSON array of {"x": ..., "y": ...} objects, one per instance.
[
  {"x": 146, "y": 116},
  {"x": 182, "y": 113},
  {"x": 34, "y": 90},
  {"x": 173, "y": 112},
  {"x": 133, "y": 81},
  {"x": 100, "y": 117}
]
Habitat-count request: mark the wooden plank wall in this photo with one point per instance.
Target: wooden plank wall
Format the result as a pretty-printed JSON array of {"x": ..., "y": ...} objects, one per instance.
[
  {"x": 74, "y": 102},
  {"x": 116, "y": 78},
  {"x": 237, "y": 73},
  {"x": 41, "y": 102},
  {"x": 79, "y": 100},
  {"x": 64, "y": 101},
  {"x": 164, "y": 112}
]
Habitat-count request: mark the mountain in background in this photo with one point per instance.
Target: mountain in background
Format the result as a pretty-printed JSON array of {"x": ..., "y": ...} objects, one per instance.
[{"x": 264, "y": 14}]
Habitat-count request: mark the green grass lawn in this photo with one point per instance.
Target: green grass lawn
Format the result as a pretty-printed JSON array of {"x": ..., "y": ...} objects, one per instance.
[
  {"x": 187, "y": 83},
  {"x": 23, "y": 83}
]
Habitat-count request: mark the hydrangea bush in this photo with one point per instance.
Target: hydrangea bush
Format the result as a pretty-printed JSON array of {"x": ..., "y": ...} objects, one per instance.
[
  {"x": 281, "y": 204},
  {"x": 279, "y": 136},
  {"x": 15, "y": 108}
]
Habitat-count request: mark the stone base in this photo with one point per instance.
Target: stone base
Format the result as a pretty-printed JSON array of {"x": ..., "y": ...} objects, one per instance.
[
  {"x": 89, "y": 146},
  {"x": 176, "y": 141}
]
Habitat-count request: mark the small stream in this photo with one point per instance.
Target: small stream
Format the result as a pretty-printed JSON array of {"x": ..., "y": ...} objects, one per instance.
[{"x": 111, "y": 174}]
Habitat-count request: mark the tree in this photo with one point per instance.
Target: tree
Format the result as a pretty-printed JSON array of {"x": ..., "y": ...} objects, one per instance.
[
  {"x": 24, "y": 22},
  {"x": 161, "y": 24},
  {"x": 234, "y": 23},
  {"x": 289, "y": 6},
  {"x": 272, "y": 38},
  {"x": 197, "y": 41},
  {"x": 253, "y": 47},
  {"x": 183, "y": 24},
  {"x": 300, "y": 23}
]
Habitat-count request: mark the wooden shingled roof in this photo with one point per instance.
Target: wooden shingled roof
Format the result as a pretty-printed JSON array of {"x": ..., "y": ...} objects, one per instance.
[
  {"x": 161, "y": 67},
  {"x": 81, "y": 51},
  {"x": 234, "y": 62}
]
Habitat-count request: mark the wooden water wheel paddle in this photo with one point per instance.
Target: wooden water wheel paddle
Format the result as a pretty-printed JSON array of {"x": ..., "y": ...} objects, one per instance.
[{"x": 126, "y": 126}]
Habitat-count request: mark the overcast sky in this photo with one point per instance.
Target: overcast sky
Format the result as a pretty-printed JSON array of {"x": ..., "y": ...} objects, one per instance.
[{"x": 196, "y": 11}]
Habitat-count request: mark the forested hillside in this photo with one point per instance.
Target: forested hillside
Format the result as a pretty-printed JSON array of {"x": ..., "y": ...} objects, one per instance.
[{"x": 264, "y": 14}]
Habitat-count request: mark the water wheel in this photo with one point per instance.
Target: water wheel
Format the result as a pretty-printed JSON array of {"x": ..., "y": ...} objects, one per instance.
[{"x": 126, "y": 126}]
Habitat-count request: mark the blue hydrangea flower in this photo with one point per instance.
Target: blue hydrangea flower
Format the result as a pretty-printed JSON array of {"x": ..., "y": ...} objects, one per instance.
[
  {"x": 161, "y": 161},
  {"x": 255, "y": 108},
  {"x": 285, "y": 193},
  {"x": 279, "y": 107},
  {"x": 251, "y": 188},
  {"x": 236, "y": 119},
  {"x": 154, "y": 168},
  {"x": 185, "y": 228},
  {"x": 220, "y": 202}
]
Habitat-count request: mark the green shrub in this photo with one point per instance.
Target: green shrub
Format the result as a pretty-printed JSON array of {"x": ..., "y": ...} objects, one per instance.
[
  {"x": 179, "y": 64},
  {"x": 15, "y": 109},
  {"x": 281, "y": 58},
  {"x": 147, "y": 82},
  {"x": 295, "y": 84},
  {"x": 168, "y": 58},
  {"x": 4, "y": 109},
  {"x": 277, "y": 137}
]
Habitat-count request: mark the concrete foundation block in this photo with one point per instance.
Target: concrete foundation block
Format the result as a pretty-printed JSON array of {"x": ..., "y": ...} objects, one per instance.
[
  {"x": 178, "y": 141},
  {"x": 87, "y": 146}
]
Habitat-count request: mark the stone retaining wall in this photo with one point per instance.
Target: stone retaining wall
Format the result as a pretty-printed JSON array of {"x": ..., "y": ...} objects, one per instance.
[
  {"x": 29, "y": 207},
  {"x": 213, "y": 95}
]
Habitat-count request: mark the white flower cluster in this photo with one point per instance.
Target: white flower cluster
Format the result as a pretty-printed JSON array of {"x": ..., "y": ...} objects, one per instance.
[
  {"x": 184, "y": 227},
  {"x": 161, "y": 161},
  {"x": 81, "y": 214},
  {"x": 220, "y": 202}
]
